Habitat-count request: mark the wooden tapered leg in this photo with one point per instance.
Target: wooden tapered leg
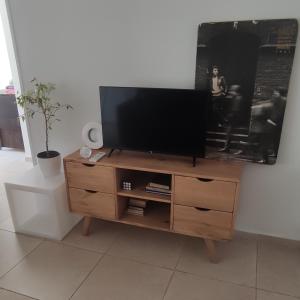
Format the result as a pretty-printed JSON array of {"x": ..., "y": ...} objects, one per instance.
[
  {"x": 211, "y": 250},
  {"x": 86, "y": 225}
]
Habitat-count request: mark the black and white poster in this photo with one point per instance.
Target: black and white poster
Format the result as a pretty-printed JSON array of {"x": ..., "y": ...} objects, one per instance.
[{"x": 247, "y": 66}]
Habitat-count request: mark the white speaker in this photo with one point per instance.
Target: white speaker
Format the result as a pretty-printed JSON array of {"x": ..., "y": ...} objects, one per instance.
[{"x": 92, "y": 135}]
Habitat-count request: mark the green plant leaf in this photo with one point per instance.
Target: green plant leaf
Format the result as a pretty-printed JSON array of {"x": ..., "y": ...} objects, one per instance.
[{"x": 38, "y": 101}]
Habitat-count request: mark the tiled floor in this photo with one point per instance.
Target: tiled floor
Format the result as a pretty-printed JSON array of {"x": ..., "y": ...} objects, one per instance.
[
  {"x": 122, "y": 262},
  {"x": 12, "y": 162}
]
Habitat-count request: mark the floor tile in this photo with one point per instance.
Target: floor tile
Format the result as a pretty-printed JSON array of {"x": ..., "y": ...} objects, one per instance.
[
  {"x": 150, "y": 246},
  {"x": 263, "y": 295},
  {"x": 6, "y": 295},
  {"x": 189, "y": 287},
  {"x": 12, "y": 162},
  {"x": 13, "y": 247},
  {"x": 116, "y": 278},
  {"x": 100, "y": 239},
  {"x": 237, "y": 260},
  {"x": 279, "y": 266},
  {"x": 52, "y": 271}
]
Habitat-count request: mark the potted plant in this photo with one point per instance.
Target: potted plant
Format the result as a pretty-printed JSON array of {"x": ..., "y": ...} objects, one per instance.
[{"x": 38, "y": 101}]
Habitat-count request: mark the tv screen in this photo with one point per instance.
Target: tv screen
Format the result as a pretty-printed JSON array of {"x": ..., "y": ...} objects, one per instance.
[{"x": 154, "y": 119}]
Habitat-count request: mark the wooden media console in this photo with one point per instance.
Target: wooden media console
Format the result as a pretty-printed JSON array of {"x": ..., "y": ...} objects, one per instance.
[{"x": 202, "y": 203}]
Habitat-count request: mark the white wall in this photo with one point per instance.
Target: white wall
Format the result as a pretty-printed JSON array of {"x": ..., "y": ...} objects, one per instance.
[
  {"x": 80, "y": 45},
  {"x": 11, "y": 59}
]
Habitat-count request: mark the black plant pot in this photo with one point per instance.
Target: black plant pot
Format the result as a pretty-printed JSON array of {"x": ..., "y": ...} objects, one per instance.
[{"x": 48, "y": 154}]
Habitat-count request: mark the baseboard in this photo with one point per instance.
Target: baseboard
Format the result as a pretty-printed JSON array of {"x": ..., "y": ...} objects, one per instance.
[{"x": 267, "y": 234}]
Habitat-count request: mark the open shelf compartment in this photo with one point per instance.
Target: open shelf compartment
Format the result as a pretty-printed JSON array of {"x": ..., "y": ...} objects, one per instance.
[
  {"x": 139, "y": 180},
  {"x": 157, "y": 214}
]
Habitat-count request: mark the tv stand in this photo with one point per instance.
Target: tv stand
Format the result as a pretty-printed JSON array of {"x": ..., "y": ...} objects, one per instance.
[{"x": 202, "y": 203}]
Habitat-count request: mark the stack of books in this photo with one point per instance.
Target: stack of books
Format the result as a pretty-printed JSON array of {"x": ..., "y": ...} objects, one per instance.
[
  {"x": 136, "y": 207},
  {"x": 161, "y": 184}
]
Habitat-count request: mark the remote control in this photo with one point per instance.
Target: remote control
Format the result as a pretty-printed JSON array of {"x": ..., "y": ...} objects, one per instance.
[{"x": 97, "y": 157}]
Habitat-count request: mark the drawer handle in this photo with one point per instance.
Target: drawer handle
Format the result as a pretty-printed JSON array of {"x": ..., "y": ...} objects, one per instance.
[
  {"x": 205, "y": 179},
  {"x": 88, "y": 165},
  {"x": 202, "y": 209},
  {"x": 90, "y": 191}
]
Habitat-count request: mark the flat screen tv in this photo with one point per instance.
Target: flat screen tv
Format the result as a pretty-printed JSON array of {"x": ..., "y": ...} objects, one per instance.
[{"x": 158, "y": 120}]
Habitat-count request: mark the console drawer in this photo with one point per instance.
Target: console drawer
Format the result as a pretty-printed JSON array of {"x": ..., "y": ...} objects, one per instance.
[
  {"x": 90, "y": 177},
  {"x": 205, "y": 223},
  {"x": 206, "y": 193},
  {"x": 92, "y": 203}
]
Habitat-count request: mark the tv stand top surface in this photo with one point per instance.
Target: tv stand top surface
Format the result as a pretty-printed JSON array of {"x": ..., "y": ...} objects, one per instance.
[{"x": 169, "y": 164}]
